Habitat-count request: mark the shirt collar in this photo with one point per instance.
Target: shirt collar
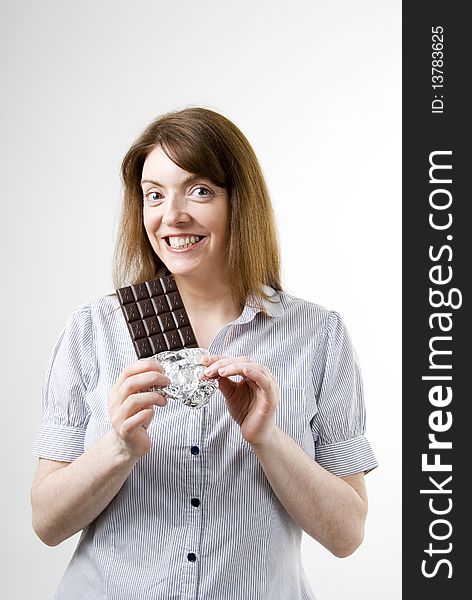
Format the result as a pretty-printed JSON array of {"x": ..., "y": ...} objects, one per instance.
[{"x": 271, "y": 304}]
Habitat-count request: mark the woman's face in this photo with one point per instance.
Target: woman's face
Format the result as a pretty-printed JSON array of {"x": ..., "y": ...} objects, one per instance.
[{"x": 185, "y": 217}]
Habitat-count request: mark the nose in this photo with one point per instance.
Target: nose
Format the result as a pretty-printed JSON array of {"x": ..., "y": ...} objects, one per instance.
[{"x": 175, "y": 210}]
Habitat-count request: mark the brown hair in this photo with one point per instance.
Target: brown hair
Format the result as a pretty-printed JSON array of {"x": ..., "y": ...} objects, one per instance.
[{"x": 205, "y": 143}]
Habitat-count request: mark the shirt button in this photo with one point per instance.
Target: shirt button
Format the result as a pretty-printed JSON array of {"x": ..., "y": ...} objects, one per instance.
[
  {"x": 195, "y": 450},
  {"x": 191, "y": 557},
  {"x": 195, "y": 502}
]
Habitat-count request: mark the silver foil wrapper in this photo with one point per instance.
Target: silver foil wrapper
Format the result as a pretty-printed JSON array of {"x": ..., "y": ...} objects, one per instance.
[{"x": 185, "y": 371}]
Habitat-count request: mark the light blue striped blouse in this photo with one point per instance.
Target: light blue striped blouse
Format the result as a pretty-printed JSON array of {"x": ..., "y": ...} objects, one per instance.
[{"x": 197, "y": 518}]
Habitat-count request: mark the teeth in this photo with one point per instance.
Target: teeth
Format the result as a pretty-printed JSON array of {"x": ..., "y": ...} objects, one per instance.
[{"x": 183, "y": 242}]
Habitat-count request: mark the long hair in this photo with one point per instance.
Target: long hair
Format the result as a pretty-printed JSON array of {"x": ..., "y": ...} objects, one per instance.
[{"x": 205, "y": 143}]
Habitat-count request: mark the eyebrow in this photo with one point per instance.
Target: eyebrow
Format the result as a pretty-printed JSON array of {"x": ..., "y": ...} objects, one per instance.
[{"x": 187, "y": 180}]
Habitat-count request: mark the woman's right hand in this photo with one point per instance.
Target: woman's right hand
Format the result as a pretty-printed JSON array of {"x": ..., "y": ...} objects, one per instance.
[{"x": 131, "y": 407}]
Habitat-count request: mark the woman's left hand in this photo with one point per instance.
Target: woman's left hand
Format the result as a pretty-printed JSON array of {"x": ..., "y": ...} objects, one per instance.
[{"x": 251, "y": 402}]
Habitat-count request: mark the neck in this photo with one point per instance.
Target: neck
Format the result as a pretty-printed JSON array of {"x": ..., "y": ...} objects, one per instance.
[{"x": 215, "y": 298}]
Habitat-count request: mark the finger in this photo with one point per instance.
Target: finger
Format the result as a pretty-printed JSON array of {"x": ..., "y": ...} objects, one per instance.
[
  {"x": 259, "y": 376},
  {"x": 251, "y": 371},
  {"x": 208, "y": 360},
  {"x": 138, "y": 402},
  {"x": 235, "y": 368},
  {"x": 143, "y": 418},
  {"x": 211, "y": 371},
  {"x": 139, "y": 383},
  {"x": 139, "y": 366},
  {"x": 134, "y": 405},
  {"x": 150, "y": 412}
]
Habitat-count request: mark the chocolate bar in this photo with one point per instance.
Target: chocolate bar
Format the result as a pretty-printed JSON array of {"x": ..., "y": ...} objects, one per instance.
[{"x": 156, "y": 317}]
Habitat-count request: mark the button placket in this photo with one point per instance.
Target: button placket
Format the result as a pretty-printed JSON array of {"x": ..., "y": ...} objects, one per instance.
[
  {"x": 194, "y": 480},
  {"x": 193, "y": 484}
]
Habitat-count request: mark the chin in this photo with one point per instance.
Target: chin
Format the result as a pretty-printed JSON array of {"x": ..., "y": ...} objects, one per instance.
[{"x": 180, "y": 270}]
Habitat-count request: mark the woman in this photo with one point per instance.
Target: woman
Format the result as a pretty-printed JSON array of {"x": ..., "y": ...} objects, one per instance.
[{"x": 210, "y": 503}]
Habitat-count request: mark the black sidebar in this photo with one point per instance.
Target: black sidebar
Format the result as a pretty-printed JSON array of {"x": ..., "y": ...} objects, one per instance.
[{"x": 437, "y": 253}]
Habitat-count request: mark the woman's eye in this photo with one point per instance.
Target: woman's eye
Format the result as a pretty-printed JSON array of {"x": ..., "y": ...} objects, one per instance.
[
  {"x": 153, "y": 197},
  {"x": 201, "y": 192}
]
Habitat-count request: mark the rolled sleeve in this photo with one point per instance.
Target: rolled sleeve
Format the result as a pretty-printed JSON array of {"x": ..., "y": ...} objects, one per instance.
[
  {"x": 65, "y": 413},
  {"x": 339, "y": 424}
]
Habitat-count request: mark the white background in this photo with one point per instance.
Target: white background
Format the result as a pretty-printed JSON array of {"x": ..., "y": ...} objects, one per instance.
[{"x": 315, "y": 86}]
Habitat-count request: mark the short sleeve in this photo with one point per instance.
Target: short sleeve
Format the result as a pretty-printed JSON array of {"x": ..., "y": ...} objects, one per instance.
[
  {"x": 65, "y": 413},
  {"x": 339, "y": 425}
]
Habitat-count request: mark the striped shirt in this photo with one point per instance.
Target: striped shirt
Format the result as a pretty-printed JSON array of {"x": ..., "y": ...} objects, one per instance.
[{"x": 197, "y": 518}]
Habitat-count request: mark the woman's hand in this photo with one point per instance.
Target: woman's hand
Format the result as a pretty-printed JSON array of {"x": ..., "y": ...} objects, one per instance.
[
  {"x": 131, "y": 406},
  {"x": 251, "y": 402}
]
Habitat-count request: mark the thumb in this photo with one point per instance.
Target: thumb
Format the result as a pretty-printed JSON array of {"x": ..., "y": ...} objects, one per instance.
[{"x": 226, "y": 386}]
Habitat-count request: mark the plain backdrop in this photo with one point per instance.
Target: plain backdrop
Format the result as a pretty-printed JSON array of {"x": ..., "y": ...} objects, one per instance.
[{"x": 315, "y": 86}]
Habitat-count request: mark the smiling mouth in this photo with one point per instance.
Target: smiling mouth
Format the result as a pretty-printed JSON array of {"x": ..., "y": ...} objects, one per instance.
[{"x": 179, "y": 243}]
